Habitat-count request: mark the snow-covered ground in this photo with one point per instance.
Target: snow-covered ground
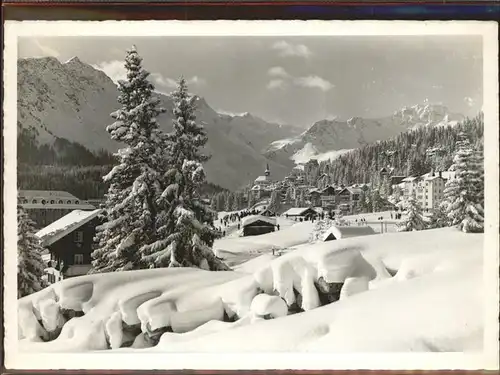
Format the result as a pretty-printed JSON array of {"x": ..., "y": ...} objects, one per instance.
[{"x": 400, "y": 292}]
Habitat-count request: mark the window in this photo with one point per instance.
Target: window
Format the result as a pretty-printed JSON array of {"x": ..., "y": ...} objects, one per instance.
[
  {"x": 68, "y": 202},
  {"x": 78, "y": 258},
  {"x": 60, "y": 201},
  {"x": 77, "y": 202},
  {"x": 34, "y": 201},
  {"x": 44, "y": 201},
  {"x": 79, "y": 236}
]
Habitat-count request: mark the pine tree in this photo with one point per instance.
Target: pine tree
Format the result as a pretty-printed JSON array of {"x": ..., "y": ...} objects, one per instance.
[
  {"x": 375, "y": 200},
  {"x": 275, "y": 202},
  {"x": 135, "y": 183},
  {"x": 213, "y": 202},
  {"x": 464, "y": 194},
  {"x": 30, "y": 266},
  {"x": 414, "y": 219},
  {"x": 288, "y": 196},
  {"x": 185, "y": 226},
  {"x": 229, "y": 202},
  {"x": 221, "y": 202},
  {"x": 251, "y": 200},
  {"x": 438, "y": 218},
  {"x": 300, "y": 201}
]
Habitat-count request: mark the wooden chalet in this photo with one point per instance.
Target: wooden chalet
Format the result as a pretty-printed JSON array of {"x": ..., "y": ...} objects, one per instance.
[{"x": 69, "y": 241}]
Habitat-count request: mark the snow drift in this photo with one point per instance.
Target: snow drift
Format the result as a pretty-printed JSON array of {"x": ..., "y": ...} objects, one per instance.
[{"x": 337, "y": 296}]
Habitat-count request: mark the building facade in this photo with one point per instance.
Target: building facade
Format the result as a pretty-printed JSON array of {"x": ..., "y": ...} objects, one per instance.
[
  {"x": 46, "y": 206},
  {"x": 70, "y": 242}
]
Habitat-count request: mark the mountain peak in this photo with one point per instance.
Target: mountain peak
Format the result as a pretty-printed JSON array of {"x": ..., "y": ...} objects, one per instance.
[{"x": 74, "y": 60}]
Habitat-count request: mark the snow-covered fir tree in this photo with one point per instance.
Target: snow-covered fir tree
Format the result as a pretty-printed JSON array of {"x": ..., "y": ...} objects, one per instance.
[
  {"x": 185, "y": 225},
  {"x": 413, "y": 220},
  {"x": 135, "y": 183},
  {"x": 213, "y": 202},
  {"x": 438, "y": 218},
  {"x": 375, "y": 200},
  {"x": 288, "y": 196},
  {"x": 300, "y": 201},
  {"x": 251, "y": 200},
  {"x": 464, "y": 194},
  {"x": 229, "y": 202},
  {"x": 275, "y": 202},
  {"x": 221, "y": 201},
  {"x": 30, "y": 266}
]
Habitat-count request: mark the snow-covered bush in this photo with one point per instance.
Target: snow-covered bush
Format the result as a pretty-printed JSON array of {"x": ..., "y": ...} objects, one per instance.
[
  {"x": 319, "y": 229},
  {"x": 30, "y": 266}
]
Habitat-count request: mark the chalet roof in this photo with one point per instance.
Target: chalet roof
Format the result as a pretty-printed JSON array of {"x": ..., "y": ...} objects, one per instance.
[
  {"x": 354, "y": 190},
  {"x": 67, "y": 224},
  {"x": 298, "y": 211},
  {"x": 347, "y": 231},
  {"x": 254, "y": 218}
]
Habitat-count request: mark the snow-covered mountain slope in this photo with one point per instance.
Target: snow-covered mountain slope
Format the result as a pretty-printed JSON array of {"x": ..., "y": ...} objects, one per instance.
[
  {"x": 433, "y": 303},
  {"x": 73, "y": 100},
  {"x": 326, "y": 138}
]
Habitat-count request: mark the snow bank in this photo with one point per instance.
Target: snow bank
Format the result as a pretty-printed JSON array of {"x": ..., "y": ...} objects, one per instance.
[{"x": 433, "y": 303}]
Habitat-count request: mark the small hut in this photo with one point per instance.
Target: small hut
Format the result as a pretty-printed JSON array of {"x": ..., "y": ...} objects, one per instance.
[
  {"x": 301, "y": 212},
  {"x": 338, "y": 232},
  {"x": 257, "y": 224}
]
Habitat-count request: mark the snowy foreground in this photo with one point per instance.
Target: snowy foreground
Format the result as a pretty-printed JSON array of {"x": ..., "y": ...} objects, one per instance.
[{"x": 415, "y": 291}]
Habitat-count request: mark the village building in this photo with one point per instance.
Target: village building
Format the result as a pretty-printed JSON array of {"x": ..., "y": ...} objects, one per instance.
[
  {"x": 46, "y": 206},
  {"x": 338, "y": 232},
  {"x": 263, "y": 185},
  {"x": 348, "y": 198},
  {"x": 305, "y": 213},
  {"x": 315, "y": 197},
  {"x": 328, "y": 197},
  {"x": 69, "y": 241},
  {"x": 257, "y": 224},
  {"x": 428, "y": 189}
]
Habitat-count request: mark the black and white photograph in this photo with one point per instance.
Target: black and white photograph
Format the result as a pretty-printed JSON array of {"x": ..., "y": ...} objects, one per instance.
[{"x": 311, "y": 188}]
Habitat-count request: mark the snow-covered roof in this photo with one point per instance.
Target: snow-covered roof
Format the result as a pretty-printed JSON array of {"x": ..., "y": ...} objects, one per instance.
[
  {"x": 448, "y": 174},
  {"x": 56, "y": 206},
  {"x": 46, "y": 194},
  {"x": 347, "y": 231},
  {"x": 354, "y": 190},
  {"x": 297, "y": 211},
  {"x": 252, "y": 219},
  {"x": 262, "y": 179},
  {"x": 68, "y": 223},
  {"x": 408, "y": 179}
]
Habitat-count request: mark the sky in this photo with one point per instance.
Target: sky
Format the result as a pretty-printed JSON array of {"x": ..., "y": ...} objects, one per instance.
[{"x": 296, "y": 80}]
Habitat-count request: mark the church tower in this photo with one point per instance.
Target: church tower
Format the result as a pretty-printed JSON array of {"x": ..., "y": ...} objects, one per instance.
[{"x": 267, "y": 173}]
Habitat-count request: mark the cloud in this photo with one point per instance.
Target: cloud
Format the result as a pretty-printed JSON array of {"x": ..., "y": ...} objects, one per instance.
[
  {"x": 116, "y": 71},
  {"x": 278, "y": 71},
  {"x": 469, "y": 101},
  {"x": 286, "y": 49},
  {"x": 113, "y": 69},
  {"x": 314, "y": 82},
  {"x": 46, "y": 50},
  {"x": 276, "y": 84}
]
